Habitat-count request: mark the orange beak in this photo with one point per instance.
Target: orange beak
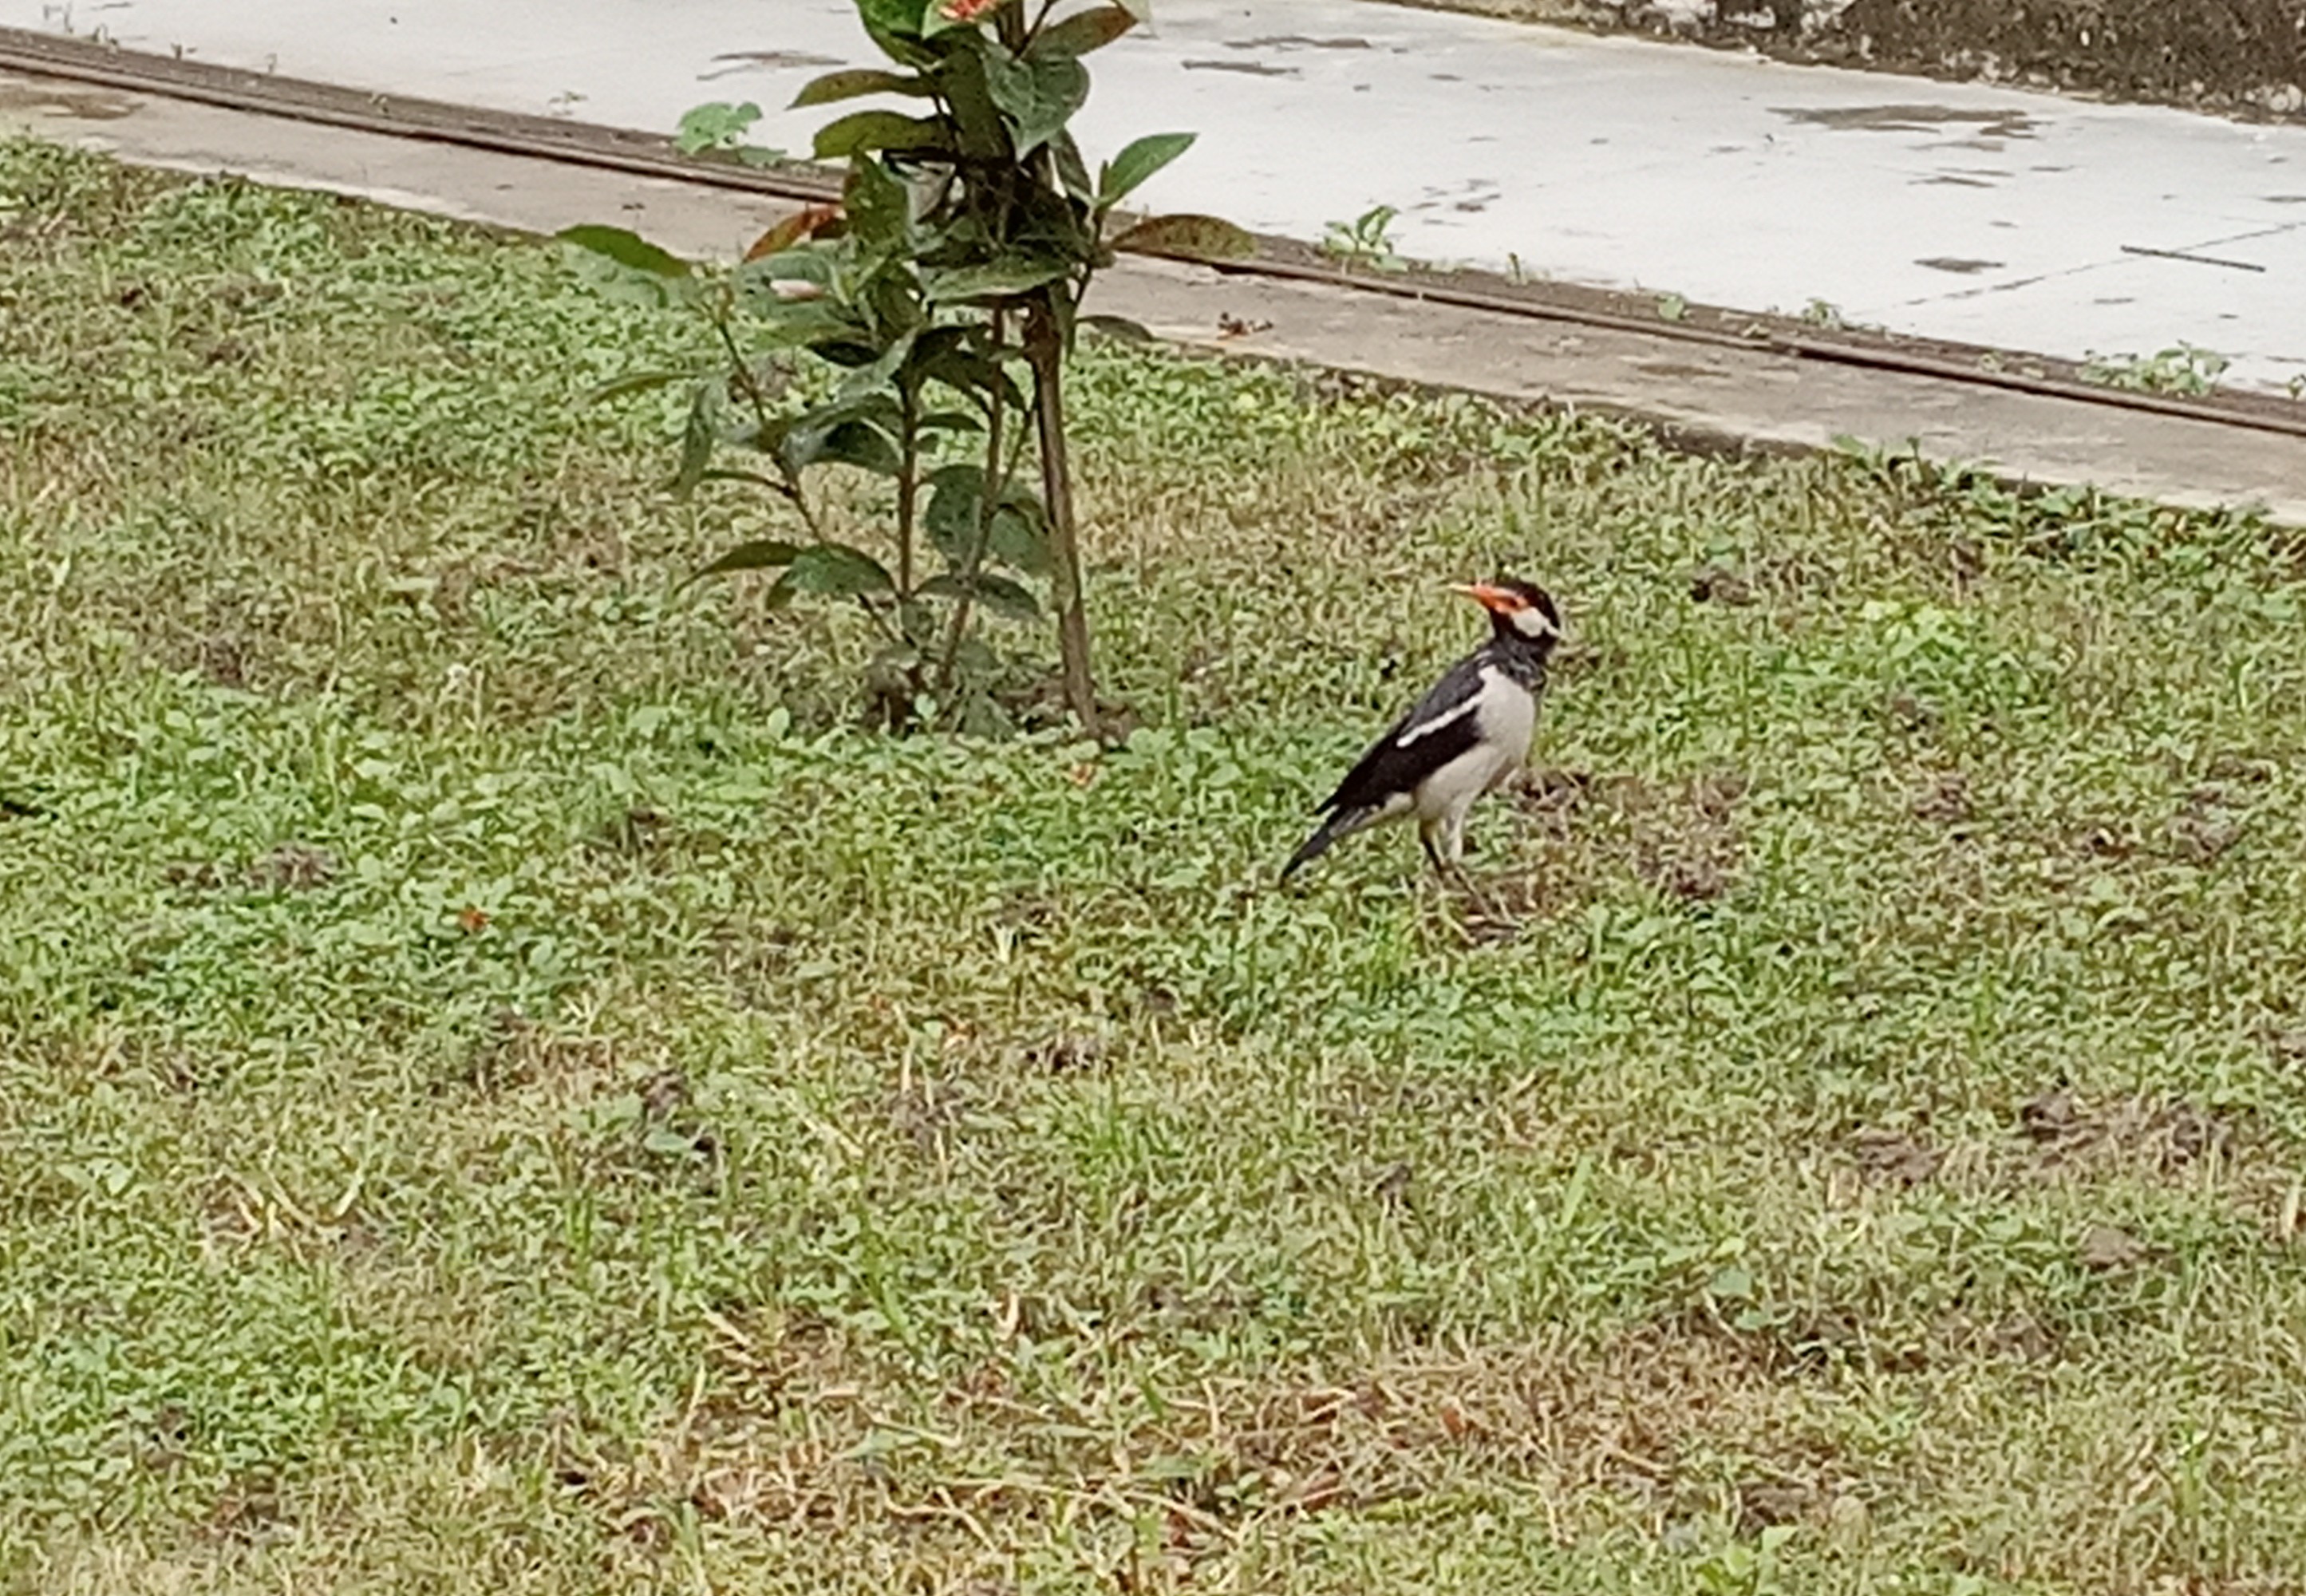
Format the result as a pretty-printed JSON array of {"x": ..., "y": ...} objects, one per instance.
[{"x": 1497, "y": 600}]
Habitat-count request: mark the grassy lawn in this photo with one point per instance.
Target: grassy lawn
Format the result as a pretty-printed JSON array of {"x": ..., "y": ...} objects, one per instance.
[{"x": 505, "y": 1085}]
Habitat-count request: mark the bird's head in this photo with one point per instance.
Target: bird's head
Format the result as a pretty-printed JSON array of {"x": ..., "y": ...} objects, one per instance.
[{"x": 1520, "y": 611}]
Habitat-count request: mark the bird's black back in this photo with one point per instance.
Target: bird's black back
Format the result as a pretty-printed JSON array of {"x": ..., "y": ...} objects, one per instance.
[{"x": 1390, "y": 767}]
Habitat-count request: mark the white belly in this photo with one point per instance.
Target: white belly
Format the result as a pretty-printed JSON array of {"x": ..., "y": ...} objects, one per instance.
[{"x": 1509, "y": 719}]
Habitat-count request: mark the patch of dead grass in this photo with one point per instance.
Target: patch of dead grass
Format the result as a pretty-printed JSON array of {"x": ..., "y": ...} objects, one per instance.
[
  {"x": 801, "y": 1436},
  {"x": 1585, "y": 835}
]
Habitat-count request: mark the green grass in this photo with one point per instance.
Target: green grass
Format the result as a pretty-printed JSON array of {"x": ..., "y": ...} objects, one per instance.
[{"x": 504, "y": 1086}]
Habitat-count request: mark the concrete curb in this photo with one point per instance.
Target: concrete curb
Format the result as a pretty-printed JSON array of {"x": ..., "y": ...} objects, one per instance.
[{"x": 1714, "y": 387}]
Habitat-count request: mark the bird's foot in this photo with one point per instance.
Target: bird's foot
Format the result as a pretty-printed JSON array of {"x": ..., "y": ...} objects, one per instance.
[{"x": 1475, "y": 896}]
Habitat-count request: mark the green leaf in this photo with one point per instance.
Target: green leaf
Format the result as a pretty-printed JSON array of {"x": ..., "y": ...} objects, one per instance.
[
  {"x": 970, "y": 372},
  {"x": 797, "y": 292},
  {"x": 937, "y": 341},
  {"x": 715, "y": 126},
  {"x": 894, "y": 303},
  {"x": 765, "y": 554},
  {"x": 698, "y": 438},
  {"x": 838, "y": 570},
  {"x": 752, "y": 478},
  {"x": 878, "y": 214},
  {"x": 626, "y": 249},
  {"x": 974, "y": 660},
  {"x": 812, "y": 264},
  {"x": 855, "y": 81},
  {"x": 862, "y": 131},
  {"x": 1081, "y": 32},
  {"x": 895, "y": 25},
  {"x": 1120, "y": 327},
  {"x": 995, "y": 279},
  {"x": 1072, "y": 170},
  {"x": 667, "y": 1143},
  {"x": 1005, "y": 596},
  {"x": 861, "y": 445},
  {"x": 820, "y": 328},
  {"x": 962, "y": 77},
  {"x": 849, "y": 354},
  {"x": 871, "y": 380},
  {"x": 979, "y": 715},
  {"x": 1037, "y": 96},
  {"x": 818, "y": 435},
  {"x": 1052, "y": 220},
  {"x": 956, "y": 494},
  {"x": 1127, "y": 172},
  {"x": 1020, "y": 536},
  {"x": 1189, "y": 238},
  {"x": 637, "y": 382},
  {"x": 628, "y": 269}
]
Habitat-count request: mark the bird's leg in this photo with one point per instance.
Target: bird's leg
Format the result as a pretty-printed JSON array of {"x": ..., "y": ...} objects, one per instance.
[
  {"x": 1453, "y": 844},
  {"x": 1433, "y": 854},
  {"x": 1453, "y": 850}
]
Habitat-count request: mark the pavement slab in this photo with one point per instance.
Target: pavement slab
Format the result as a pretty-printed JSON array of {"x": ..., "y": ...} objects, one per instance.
[
  {"x": 1977, "y": 214},
  {"x": 1721, "y": 394}
]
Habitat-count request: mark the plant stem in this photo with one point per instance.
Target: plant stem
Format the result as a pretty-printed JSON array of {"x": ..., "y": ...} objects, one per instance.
[
  {"x": 908, "y": 482},
  {"x": 791, "y": 491},
  {"x": 996, "y": 483},
  {"x": 1044, "y": 348},
  {"x": 744, "y": 372}
]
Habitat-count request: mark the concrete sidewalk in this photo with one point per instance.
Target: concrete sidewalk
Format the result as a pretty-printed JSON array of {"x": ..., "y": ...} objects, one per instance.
[
  {"x": 1979, "y": 215},
  {"x": 1725, "y": 394}
]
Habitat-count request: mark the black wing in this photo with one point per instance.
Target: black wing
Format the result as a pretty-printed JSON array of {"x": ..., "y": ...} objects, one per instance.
[{"x": 1392, "y": 766}]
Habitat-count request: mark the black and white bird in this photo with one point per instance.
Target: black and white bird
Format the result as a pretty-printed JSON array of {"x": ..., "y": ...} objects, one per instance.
[{"x": 1463, "y": 739}]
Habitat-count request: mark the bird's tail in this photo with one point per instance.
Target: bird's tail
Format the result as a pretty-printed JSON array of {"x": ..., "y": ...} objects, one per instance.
[{"x": 1335, "y": 826}]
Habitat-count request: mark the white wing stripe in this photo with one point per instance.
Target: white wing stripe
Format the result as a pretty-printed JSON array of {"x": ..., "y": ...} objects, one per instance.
[{"x": 1455, "y": 712}]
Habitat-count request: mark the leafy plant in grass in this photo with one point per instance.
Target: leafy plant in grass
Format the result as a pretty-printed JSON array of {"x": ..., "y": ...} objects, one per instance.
[
  {"x": 2182, "y": 368},
  {"x": 717, "y": 131},
  {"x": 954, "y": 265},
  {"x": 1365, "y": 241}
]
